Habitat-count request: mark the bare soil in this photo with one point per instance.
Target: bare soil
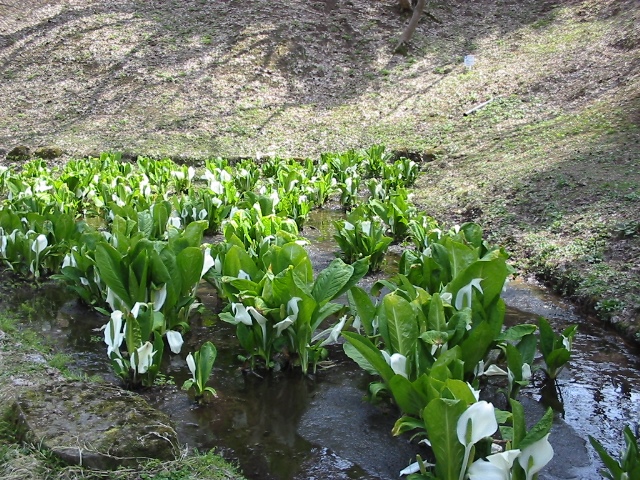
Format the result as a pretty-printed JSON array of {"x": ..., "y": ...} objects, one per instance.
[{"x": 550, "y": 167}]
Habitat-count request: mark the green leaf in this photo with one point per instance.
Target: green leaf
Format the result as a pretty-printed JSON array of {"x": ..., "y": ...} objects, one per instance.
[
  {"x": 112, "y": 272},
  {"x": 331, "y": 280},
  {"x": 436, "y": 319},
  {"x": 612, "y": 465},
  {"x": 516, "y": 332},
  {"x": 360, "y": 269},
  {"x": 555, "y": 360},
  {"x": 492, "y": 270},
  {"x": 472, "y": 233},
  {"x": 519, "y": 426},
  {"x": 547, "y": 337},
  {"x": 204, "y": 363},
  {"x": 237, "y": 259},
  {"x": 190, "y": 261},
  {"x": 461, "y": 256},
  {"x": 460, "y": 390},
  {"x": 145, "y": 224},
  {"x": 538, "y": 431},
  {"x": 353, "y": 353},
  {"x": 360, "y": 303},
  {"x": 371, "y": 354},
  {"x": 323, "y": 312},
  {"x": 410, "y": 400},
  {"x": 406, "y": 424},
  {"x": 398, "y": 326},
  {"x": 441, "y": 419},
  {"x": 527, "y": 348},
  {"x": 475, "y": 347}
]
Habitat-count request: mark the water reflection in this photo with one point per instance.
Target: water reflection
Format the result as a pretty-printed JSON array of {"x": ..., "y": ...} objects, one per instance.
[{"x": 600, "y": 388}]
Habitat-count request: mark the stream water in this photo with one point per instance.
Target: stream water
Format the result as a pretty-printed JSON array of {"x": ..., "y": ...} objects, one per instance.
[{"x": 286, "y": 426}]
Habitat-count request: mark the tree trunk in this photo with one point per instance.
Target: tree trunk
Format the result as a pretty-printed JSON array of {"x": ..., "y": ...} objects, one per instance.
[{"x": 413, "y": 23}]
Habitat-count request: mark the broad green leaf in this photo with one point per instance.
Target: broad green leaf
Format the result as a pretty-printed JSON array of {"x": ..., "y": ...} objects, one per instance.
[
  {"x": 441, "y": 419},
  {"x": 331, "y": 280},
  {"x": 527, "y": 347},
  {"x": 519, "y": 426},
  {"x": 164, "y": 269},
  {"x": 516, "y": 332},
  {"x": 237, "y": 259},
  {"x": 360, "y": 269},
  {"x": 472, "y": 233},
  {"x": 557, "y": 359},
  {"x": 360, "y": 303},
  {"x": 406, "y": 424},
  {"x": 112, "y": 272},
  {"x": 398, "y": 325},
  {"x": 353, "y": 353},
  {"x": 462, "y": 256},
  {"x": 190, "y": 261},
  {"x": 371, "y": 354},
  {"x": 434, "y": 337},
  {"x": 436, "y": 319},
  {"x": 547, "y": 337},
  {"x": 145, "y": 224},
  {"x": 323, "y": 312},
  {"x": 410, "y": 400},
  {"x": 460, "y": 391},
  {"x": 475, "y": 347},
  {"x": 538, "y": 431},
  {"x": 514, "y": 361},
  {"x": 492, "y": 270},
  {"x": 193, "y": 233},
  {"x": 204, "y": 362}
]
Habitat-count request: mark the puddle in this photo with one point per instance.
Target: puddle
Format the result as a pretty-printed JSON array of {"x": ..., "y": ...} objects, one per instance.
[{"x": 287, "y": 427}]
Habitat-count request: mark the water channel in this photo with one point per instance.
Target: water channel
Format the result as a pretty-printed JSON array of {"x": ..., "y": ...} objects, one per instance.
[{"x": 286, "y": 426}]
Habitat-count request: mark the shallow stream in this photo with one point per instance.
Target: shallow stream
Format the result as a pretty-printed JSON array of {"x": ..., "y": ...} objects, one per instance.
[{"x": 286, "y": 426}]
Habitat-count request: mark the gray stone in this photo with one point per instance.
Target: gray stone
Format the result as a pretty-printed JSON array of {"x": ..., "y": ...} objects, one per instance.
[{"x": 95, "y": 425}]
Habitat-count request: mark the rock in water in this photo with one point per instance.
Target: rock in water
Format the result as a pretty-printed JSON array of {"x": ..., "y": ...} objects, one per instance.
[{"x": 95, "y": 425}]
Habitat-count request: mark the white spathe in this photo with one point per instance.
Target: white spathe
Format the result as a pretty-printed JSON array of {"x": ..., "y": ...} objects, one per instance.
[
  {"x": 483, "y": 422},
  {"x": 158, "y": 297},
  {"x": 39, "y": 244},
  {"x": 175, "y": 340},
  {"x": 144, "y": 355},
  {"x": 465, "y": 294},
  {"x": 534, "y": 457},
  {"x": 114, "y": 333},
  {"x": 398, "y": 363},
  {"x": 208, "y": 263},
  {"x": 476, "y": 422},
  {"x": 497, "y": 467},
  {"x": 241, "y": 314},
  {"x": 191, "y": 363}
]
